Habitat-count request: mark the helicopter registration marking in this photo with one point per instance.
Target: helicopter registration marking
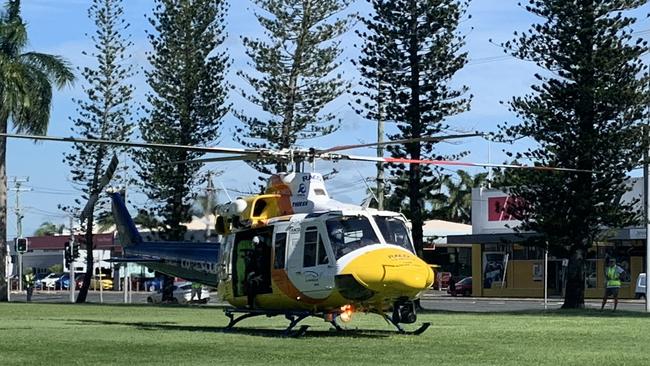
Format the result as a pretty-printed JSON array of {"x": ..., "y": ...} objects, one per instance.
[{"x": 201, "y": 266}]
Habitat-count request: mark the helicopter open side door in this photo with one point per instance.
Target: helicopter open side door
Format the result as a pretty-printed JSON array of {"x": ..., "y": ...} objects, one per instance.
[{"x": 310, "y": 264}]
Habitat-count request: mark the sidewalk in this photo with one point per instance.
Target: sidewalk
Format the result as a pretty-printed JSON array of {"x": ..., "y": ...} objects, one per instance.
[{"x": 443, "y": 295}]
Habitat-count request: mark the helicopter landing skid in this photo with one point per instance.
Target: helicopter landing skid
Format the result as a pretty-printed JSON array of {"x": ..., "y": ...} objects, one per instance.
[
  {"x": 293, "y": 317},
  {"x": 401, "y": 330}
]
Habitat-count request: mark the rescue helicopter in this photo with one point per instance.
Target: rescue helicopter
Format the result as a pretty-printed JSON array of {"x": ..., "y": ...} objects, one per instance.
[{"x": 293, "y": 251}]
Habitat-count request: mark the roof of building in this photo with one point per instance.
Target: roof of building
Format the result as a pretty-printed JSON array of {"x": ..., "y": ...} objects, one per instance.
[
  {"x": 57, "y": 242},
  {"x": 442, "y": 228}
]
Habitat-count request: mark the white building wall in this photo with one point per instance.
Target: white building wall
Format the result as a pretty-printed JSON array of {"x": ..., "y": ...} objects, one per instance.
[{"x": 488, "y": 216}]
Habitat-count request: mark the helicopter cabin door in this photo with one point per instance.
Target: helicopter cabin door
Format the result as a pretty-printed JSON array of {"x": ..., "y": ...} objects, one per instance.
[{"x": 310, "y": 266}]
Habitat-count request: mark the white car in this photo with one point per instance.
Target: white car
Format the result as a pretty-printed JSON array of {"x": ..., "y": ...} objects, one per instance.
[
  {"x": 182, "y": 295},
  {"x": 640, "y": 286},
  {"x": 49, "y": 281}
]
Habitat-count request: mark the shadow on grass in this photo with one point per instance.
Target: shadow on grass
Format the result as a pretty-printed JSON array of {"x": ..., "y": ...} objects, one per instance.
[
  {"x": 607, "y": 313},
  {"x": 271, "y": 333},
  {"x": 122, "y": 305}
]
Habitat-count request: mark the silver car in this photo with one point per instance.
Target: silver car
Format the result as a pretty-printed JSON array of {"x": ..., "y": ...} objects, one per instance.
[
  {"x": 640, "y": 286},
  {"x": 182, "y": 295}
]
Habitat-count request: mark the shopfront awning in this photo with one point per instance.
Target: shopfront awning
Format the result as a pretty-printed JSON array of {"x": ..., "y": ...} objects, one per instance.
[{"x": 497, "y": 238}]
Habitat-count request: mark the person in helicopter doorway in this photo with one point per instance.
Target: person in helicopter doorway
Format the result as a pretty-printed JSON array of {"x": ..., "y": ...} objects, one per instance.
[
  {"x": 338, "y": 244},
  {"x": 253, "y": 270}
]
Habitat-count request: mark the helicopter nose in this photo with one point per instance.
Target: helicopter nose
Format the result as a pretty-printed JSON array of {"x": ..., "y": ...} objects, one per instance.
[{"x": 389, "y": 272}]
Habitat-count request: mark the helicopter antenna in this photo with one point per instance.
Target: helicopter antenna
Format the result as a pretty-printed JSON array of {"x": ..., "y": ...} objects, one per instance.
[
  {"x": 367, "y": 203},
  {"x": 225, "y": 190}
]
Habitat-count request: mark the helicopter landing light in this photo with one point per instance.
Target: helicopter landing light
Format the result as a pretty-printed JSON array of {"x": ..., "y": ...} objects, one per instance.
[{"x": 346, "y": 313}]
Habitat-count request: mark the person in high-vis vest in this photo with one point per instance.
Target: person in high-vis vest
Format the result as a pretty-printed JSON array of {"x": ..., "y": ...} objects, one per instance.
[{"x": 613, "y": 274}]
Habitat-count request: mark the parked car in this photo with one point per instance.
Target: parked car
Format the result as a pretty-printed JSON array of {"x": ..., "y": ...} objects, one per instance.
[
  {"x": 79, "y": 279},
  {"x": 182, "y": 294},
  {"x": 153, "y": 284},
  {"x": 463, "y": 287},
  {"x": 639, "y": 292},
  {"x": 38, "y": 279},
  {"x": 105, "y": 282},
  {"x": 442, "y": 280},
  {"x": 49, "y": 281},
  {"x": 63, "y": 282}
]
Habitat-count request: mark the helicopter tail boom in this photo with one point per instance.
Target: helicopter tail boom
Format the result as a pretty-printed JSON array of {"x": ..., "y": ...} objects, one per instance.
[{"x": 128, "y": 235}]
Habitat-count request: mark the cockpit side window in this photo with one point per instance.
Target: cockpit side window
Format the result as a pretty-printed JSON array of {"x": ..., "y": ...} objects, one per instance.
[
  {"x": 394, "y": 231},
  {"x": 280, "y": 248},
  {"x": 322, "y": 254},
  {"x": 311, "y": 240},
  {"x": 348, "y": 233},
  {"x": 314, "y": 252}
]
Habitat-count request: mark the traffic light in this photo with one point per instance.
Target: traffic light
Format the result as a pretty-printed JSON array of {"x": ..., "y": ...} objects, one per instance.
[
  {"x": 21, "y": 245},
  {"x": 67, "y": 254},
  {"x": 75, "y": 251}
]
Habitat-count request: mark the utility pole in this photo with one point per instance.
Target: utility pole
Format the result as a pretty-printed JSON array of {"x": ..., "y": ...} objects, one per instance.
[
  {"x": 209, "y": 195},
  {"x": 72, "y": 282},
  {"x": 380, "y": 148},
  {"x": 19, "y": 223},
  {"x": 646, "y": 208}
]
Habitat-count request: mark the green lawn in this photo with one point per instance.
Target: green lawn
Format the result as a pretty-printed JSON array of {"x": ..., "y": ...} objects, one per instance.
[{"x": 59, "y": 334}]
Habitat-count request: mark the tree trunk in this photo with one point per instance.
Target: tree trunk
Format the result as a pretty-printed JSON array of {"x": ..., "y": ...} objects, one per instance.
[
  {"x": 414, "y": 149},
  {"x": 575, "y": 285},
  {"x": 3, "y": 211},
  {"x": 83, "y": 292}
]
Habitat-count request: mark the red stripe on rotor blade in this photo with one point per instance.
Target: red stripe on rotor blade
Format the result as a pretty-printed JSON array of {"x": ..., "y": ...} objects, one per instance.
[
  {"x": 485, "y": 165},
  {"x": 432, "y": 162}
]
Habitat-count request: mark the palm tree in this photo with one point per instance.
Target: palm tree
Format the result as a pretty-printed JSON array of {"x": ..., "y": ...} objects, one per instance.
[
  {"x": 459, "y": 201},
  {"x": 26, "y": 81},
  {"x": 48, "y": 229}
]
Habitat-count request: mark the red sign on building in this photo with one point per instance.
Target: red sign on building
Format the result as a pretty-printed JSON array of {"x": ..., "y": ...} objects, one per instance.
[{"x": 503, "y": 208}]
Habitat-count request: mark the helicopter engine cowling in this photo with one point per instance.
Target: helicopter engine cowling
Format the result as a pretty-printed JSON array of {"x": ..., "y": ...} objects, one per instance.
[{"x": 237, "y": 207}]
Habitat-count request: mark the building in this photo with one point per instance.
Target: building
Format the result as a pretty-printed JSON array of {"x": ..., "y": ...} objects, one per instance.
[
  {"x": 453, "y": 258},
  {"x": 503, "y": 267},
  {"x": 47, "y": 251}
]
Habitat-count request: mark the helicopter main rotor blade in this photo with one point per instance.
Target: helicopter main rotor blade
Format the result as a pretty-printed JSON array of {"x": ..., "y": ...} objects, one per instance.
[
  {"x": 399, "y": 142},
  {"x": 202, "y": 149},
  {"x": 213, "y": 160},
  {"x": 458, "y": 163}
]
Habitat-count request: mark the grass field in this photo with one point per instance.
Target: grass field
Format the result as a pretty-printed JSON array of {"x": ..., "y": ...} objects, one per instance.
[{"x": 59, "y": 334}]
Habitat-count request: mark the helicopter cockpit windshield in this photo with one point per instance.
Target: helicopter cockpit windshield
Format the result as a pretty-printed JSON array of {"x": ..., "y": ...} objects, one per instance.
[
  {"x": 394, "y": 231},
  {"x": 348, "y": 233}
]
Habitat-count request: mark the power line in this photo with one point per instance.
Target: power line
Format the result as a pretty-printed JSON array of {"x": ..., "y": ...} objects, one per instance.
[{"x": 490, "y": 59}]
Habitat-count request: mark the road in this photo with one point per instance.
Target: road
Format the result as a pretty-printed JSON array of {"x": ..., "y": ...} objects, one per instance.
[{"x": 433, "y": 300}]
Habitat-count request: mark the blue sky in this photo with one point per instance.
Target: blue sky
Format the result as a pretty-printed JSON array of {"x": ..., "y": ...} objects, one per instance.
[{"x": 60, "y": 27}]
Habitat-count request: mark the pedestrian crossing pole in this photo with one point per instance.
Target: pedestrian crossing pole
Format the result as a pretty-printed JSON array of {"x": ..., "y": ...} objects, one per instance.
[
  {"x": 546, "y": 277},
  {"x": 646, "y": 209},
  {"x": 72, "y": 283}
]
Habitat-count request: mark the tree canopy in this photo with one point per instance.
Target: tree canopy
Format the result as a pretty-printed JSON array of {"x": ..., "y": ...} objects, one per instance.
[
  {"x": 26, "y": 83},
  {"x": 585, "y": 112}
]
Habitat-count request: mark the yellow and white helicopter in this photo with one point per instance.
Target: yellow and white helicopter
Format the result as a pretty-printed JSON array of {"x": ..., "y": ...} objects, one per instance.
[{"x": 294, "y": 251}]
